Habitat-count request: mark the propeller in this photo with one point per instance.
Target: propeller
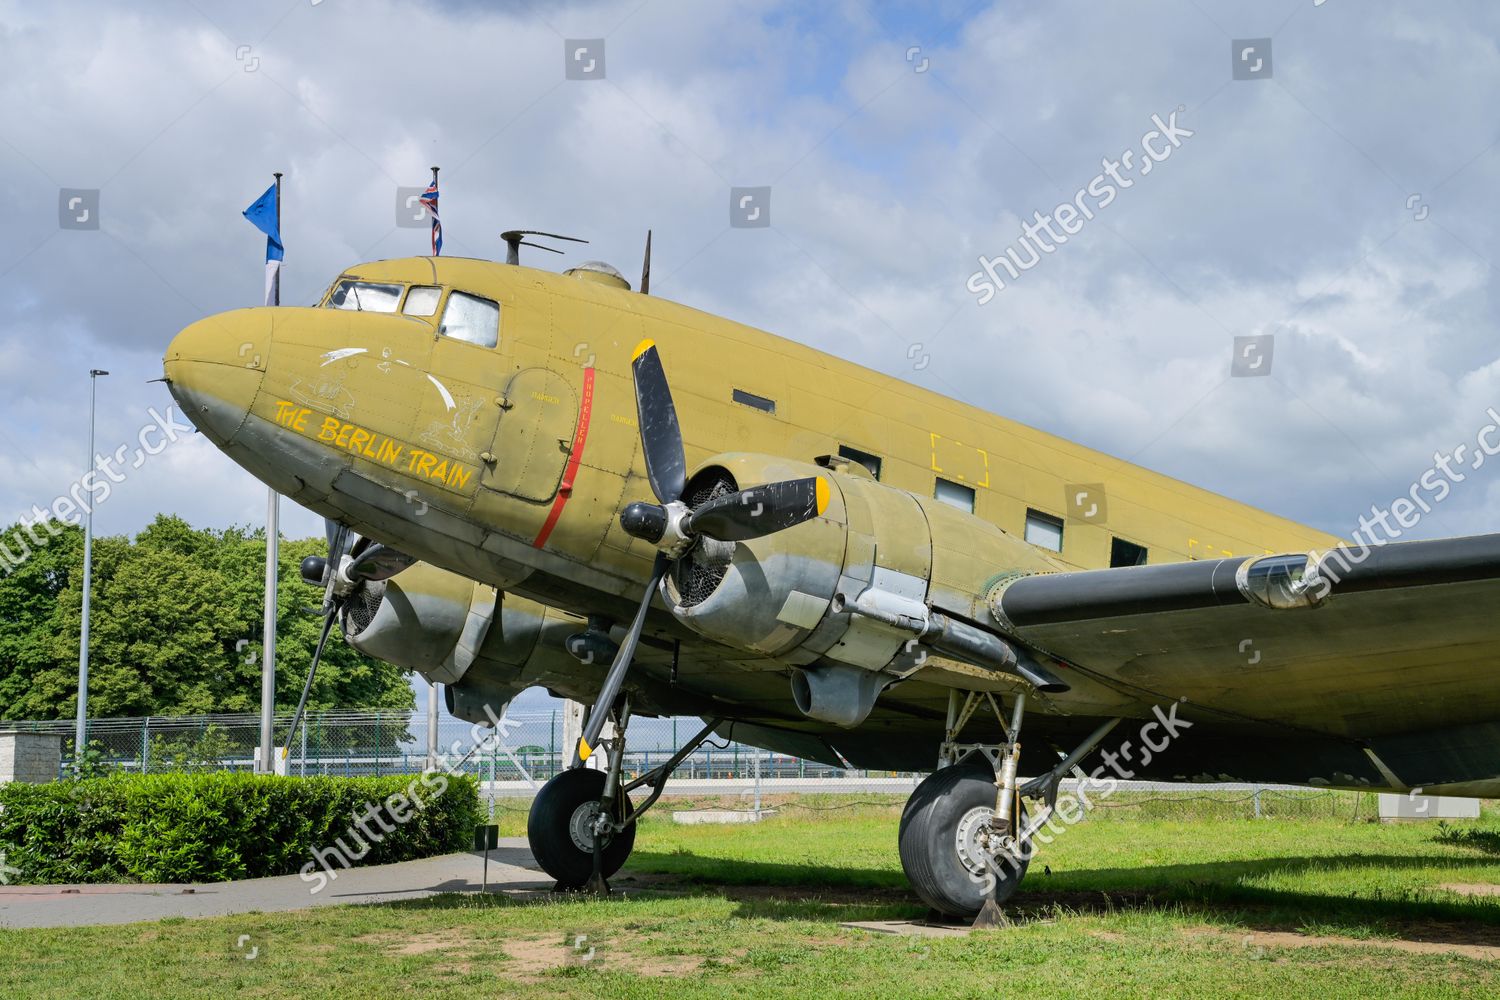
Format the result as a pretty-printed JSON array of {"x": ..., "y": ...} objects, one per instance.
[
  {"x": 674, "y": 528},
  {"x": 340, "y": 574}
]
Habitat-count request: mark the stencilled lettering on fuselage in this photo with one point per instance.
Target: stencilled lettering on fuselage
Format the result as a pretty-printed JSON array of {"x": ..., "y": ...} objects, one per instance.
[{"x": 376, "y": 447}]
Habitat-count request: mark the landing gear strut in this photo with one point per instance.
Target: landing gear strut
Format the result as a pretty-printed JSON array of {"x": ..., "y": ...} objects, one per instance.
[
  {"x": 965, "y": 839},
  {"x": 582, "y": 823}
]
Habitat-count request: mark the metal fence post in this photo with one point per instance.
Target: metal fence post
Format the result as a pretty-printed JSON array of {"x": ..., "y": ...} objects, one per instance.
[
  {"x": 756, "y": 765},
  {"x": 145, "y": 744}
]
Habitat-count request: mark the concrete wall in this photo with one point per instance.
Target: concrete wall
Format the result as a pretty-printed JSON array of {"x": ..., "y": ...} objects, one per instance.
[
  {"x": 1413, "y": 806},
  {"x": 30, "y": 757}
]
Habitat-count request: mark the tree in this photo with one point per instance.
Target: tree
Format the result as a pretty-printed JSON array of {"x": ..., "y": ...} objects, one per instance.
[{"x": 176, "y": 627}]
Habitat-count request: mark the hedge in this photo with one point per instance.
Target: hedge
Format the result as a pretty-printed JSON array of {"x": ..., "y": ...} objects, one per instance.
[{"x": 220, "y": 826}]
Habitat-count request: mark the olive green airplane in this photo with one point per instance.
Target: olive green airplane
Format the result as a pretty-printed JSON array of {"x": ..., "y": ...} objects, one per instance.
[{"x": 547, "y": 479}]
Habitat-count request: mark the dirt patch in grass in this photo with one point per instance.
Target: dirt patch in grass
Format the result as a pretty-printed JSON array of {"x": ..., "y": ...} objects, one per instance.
[
  {"x": 534, "y": 956},
  {"x": 531, "y": 957},
  {"x": 1472, "y": 888},
  {"x": 1421, "y": 941}
]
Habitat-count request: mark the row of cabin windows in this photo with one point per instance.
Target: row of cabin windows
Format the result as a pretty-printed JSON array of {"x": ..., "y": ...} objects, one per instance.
[
  {"x": 1042, "y": 530},
  {"x": 1046, "y": 531}
]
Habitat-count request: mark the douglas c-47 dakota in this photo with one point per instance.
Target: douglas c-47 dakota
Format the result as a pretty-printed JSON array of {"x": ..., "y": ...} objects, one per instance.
[{"x": 549, "y": 479}]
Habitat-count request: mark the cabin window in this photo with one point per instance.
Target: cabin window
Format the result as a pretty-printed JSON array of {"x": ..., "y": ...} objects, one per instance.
[
  {"x": 422, "y": 300},
  {"x": 869, "y": 461},
  {"x": 471, "y": 319},
  {"x": 1123, "y": 553},
  {"x": 955, "y": 495},
  {"x": 1044, "y": 530},
  {"x": 751, "y": 399},
  {"x": 365, "y": 296}
]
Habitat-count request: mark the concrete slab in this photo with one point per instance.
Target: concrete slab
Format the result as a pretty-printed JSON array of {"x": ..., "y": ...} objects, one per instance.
[{"x": 512, "y": 871}]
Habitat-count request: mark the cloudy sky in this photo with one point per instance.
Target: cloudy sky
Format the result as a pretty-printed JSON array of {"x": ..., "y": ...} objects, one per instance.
[{"x": 1342, "y": 200}]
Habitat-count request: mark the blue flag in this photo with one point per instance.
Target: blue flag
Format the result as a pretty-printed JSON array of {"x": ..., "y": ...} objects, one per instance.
[{"x": 262, "y": 215}]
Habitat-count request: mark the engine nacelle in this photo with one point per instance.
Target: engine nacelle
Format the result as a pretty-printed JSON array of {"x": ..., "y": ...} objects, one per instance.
[
  {"x": 484, "y": 647},
  {"x": 849, "y": 589},
  {"x": 425, "y": 619}
]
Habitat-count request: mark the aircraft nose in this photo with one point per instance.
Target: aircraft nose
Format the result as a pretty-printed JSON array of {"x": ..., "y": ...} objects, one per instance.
[{"x": 214, "y": 369}]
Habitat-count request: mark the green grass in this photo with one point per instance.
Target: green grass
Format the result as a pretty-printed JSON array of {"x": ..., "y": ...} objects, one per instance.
[{"x": 1132, "y": 907}]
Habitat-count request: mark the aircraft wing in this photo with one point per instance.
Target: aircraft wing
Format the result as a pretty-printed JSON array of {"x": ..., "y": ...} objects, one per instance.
[{"x": 1398, "y": 650}]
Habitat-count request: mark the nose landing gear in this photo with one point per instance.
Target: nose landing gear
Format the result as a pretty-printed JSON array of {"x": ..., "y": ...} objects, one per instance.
[{"x": 582, "y": 823}]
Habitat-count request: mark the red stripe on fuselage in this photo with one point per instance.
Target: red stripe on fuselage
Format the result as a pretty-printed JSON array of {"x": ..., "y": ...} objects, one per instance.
[{"x": 565, "y": 488}]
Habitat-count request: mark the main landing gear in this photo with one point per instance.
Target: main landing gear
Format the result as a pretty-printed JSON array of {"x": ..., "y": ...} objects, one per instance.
[
  {"x": 965, "y": 839},
  {"x": 582, "y": 823}
]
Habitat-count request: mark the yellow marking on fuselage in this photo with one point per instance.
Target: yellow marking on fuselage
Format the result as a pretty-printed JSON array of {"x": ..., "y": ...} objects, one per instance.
[
  {"x": 291, "y": 415},
  {"x": 375, "y": 446}
]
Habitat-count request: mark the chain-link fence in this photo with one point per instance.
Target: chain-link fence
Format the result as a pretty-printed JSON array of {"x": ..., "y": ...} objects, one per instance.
[{"x": 532, "y": 747}]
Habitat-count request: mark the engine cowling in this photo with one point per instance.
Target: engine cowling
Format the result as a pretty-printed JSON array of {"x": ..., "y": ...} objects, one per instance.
[
  {"x": 485, "y": 647},
  {"x": 425, "y": 619},
  {"x": 846, "y": 591}
]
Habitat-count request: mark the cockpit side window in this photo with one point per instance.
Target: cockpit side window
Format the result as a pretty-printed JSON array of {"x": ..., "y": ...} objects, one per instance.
[
  {"x": 422, "y": 300},
  {"x": 364, "y": 296},
  {"x": 472, "y": 319}
]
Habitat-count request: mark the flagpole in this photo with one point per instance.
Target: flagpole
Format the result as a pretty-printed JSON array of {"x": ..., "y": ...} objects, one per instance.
[
  {"x": 273, "y": 553},
  {"x": 434, "y": 691},
  {"x": 434, "y": 186}
]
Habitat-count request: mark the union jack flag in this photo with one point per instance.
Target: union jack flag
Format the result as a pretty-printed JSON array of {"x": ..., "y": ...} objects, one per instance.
[{"x": 430, "y": 202}]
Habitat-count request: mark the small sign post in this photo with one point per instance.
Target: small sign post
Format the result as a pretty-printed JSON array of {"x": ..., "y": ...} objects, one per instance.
[{"x": 486, "y": 839}]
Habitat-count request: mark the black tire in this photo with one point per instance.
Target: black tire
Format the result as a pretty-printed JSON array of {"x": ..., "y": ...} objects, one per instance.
[
  {"x": 929, "y": 840},
  {"x": 553, "y": 828}
]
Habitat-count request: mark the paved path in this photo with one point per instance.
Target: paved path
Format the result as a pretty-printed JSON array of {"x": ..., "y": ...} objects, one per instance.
[{"x": 511, "y": 871}]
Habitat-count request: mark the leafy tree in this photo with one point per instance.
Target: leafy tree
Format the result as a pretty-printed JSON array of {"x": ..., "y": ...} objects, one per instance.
[{"x": 176, "y": 626}]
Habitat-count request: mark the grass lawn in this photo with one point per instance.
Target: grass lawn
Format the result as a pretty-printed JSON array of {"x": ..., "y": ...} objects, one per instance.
[{"x": 1133, "y": 906}]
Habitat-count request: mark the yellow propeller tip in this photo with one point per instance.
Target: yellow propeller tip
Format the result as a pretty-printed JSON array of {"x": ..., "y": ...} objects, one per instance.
[
  {"x": 821, "y": 492},
  {"x": 642, "y": 348},
  {"x": 584, "y": 750}
]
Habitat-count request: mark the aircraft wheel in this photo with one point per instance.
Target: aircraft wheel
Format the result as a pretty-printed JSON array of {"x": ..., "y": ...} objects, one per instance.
[
  {"x": 939, "y": 841},
  {"x": 559, "y": 828}
]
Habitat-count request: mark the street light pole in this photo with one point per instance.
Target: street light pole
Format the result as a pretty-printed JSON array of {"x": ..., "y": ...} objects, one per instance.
[{"x": 81, "y": 734}]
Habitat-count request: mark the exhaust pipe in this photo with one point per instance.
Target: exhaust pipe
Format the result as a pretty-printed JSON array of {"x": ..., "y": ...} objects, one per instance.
[{"x": 841, "y": 695}]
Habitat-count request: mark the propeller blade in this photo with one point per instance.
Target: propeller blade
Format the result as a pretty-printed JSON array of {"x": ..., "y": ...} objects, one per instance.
[
  {"x": 760, "y": 510},
  {"x": 312, "y": 672},
  {"x": 621, "y": 664},
  {"x": 338, "y": 544},
  {"x": 377, "y": 561},
  {"x": 661, "y": 437}
]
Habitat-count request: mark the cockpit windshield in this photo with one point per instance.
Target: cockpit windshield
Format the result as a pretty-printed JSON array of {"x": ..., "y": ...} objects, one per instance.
[{"x": 365, "y": 296}]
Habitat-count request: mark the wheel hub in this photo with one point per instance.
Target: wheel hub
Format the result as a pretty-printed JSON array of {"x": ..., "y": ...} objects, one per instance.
[
  {"x": 581, "y": 826},
  {"x": 972, "y": 839}
]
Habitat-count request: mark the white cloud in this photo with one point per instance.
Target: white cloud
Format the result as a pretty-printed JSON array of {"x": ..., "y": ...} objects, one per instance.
[{"x": 1286, "y": 212}]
